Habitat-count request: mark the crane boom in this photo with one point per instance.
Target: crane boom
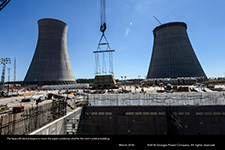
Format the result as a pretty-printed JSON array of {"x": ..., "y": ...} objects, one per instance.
[
  {"x": 3, "y": 3},
  {"x": 157, "y": 20}
]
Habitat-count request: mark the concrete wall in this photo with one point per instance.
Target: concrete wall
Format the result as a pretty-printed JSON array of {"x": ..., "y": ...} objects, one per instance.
[{"x": 153, "y": 120}]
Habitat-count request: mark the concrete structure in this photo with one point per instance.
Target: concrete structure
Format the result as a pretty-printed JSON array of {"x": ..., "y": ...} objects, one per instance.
[
  {"x": 173, "y": 55},
  {"x": 144, "y": 114},
  {"x": 154, "y": 114},
  {"x": 51, "y": 63},
  {"x": 104, "y": 81},
  {"x": 152, "y": 120}
]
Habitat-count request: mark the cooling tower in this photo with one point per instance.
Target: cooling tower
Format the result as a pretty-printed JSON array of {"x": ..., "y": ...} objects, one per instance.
[
  {"x": 50, "y": 64},
  {"x": 173, "y": 55}
]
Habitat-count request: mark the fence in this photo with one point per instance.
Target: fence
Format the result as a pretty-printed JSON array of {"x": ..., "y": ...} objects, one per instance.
[
  {"x": 165, "y": 99},
  {"x": 31, "y": 119}
]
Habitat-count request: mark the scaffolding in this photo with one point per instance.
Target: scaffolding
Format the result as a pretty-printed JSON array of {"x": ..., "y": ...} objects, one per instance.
[
  {"x": 32, "y": 118},
  {"x": 157, "y": 99}
]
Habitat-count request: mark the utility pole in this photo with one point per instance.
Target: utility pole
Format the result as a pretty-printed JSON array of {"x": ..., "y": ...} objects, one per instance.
[
  {"x": 14, "y": 72},
  {"x": 8, "y": 74}
]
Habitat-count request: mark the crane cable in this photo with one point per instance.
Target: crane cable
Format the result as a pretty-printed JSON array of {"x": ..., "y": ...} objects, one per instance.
[
  {"x": 103, "y": 16},
  {"x": 98, "y": 69},
  {"x": 102, "y": 11}
]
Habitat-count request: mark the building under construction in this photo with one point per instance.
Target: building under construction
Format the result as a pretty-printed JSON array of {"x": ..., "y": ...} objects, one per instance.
[
  {"x": 173, "y": 55},
  {"x": 177, "y": 113},
  {"x": 51, "y": 63}
]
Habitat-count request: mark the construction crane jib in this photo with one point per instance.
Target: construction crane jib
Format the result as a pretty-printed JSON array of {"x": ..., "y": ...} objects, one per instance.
[{"x": 3, "y": 3}]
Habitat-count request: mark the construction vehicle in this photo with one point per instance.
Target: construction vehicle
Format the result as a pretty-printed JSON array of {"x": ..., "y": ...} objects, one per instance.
[
  {"x": 18, "y": 109},
  {"x": 3, "y": 108}
]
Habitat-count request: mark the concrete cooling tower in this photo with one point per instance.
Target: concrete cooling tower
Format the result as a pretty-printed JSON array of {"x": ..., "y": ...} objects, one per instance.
[
  {"x": 173, "y": 55},
  {"x": 50, "y": 64}
]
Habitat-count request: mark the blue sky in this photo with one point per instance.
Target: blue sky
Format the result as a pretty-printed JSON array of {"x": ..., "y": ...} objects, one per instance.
[{"x": 129, "y": 30}]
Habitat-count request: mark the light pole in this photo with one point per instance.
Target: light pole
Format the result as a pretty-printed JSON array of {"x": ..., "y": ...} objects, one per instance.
[
  {"x": 8, "y": 78},
  {"x": 123, "y": 79},
  {"x": 4, "y": 61}
]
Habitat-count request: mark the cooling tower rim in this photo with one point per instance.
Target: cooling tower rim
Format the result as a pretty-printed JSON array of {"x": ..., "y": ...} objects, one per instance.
[
  {"x": 51, "y": 19},
  {"x": 170, "y": 24}
]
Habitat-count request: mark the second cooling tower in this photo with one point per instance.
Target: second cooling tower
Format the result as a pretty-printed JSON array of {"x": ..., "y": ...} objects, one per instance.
[
  {"x": 173, "y": 55},
  {"x": 51, "y": 63}
]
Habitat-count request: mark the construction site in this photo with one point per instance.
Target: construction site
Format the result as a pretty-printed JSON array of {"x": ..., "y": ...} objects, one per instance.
[
  {"x": 31, "y": 111},
  {"x": 176, "y": 98}
]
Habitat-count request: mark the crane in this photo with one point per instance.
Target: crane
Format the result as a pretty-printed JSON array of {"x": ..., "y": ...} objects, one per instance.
[
  {"x": 3, "y": 3},
  {"x": 100, "y": 43},
  {"x": 157, "y": 20},
  {"x": 103, "y": 16}
]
